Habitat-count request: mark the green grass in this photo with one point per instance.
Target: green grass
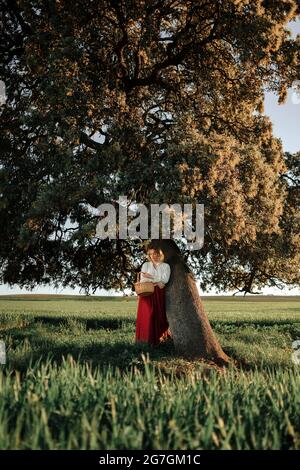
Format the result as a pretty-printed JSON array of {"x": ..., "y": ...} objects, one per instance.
[{"x": 75, "y": 379}]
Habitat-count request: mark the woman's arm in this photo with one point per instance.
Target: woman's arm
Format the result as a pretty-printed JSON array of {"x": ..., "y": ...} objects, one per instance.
[
  {"x": 165, "y": 273},
  {"x": 145, "y": 275}
]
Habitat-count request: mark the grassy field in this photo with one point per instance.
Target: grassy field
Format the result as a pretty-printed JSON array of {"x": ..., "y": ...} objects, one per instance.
[{"x": 75, "y": 379}]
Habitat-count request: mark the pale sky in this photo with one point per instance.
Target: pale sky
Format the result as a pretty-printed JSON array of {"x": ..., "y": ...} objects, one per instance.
[{"x": 286, "y": 126}]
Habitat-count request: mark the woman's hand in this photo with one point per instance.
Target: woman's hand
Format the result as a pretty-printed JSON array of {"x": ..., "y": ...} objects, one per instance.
[
  {"x": 147, "y": 275},
  {"x": 161, "y": 285}
]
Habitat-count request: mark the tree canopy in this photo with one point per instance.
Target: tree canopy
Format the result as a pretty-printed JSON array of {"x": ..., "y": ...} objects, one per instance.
[{"x": 161, "y": 101}]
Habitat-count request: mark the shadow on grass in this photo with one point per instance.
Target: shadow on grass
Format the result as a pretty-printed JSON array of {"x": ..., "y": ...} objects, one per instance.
[
  {"x": 120, "y": 354},
  {"x": 91, "y": 323},
  {"x": 68, "y": 322},
  {"x": 101, "y": 352}
]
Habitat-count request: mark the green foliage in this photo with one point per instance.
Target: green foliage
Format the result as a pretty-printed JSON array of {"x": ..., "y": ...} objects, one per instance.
[{"x": 159, "y": 101}]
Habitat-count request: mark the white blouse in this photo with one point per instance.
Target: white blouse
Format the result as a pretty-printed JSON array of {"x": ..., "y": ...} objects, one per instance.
[{"x": 161, "y": 273}]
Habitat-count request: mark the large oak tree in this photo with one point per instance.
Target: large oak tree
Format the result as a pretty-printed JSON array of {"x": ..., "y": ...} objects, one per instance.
[{"x": 161, "y": 101}]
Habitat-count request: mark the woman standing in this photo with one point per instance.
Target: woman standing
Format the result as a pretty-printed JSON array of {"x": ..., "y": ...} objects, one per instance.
[{"x": 152, "y": 325}]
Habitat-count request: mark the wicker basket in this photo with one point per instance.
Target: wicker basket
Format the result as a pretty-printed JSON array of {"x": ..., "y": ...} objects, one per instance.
[{"x": 143, "y": 289}]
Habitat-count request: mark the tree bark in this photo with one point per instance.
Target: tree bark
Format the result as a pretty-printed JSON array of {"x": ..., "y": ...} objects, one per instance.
[{"x": 189, "y": 326}]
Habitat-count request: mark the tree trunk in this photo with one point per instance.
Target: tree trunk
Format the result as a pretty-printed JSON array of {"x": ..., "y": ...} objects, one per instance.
[{"x": 190, "y": 329}]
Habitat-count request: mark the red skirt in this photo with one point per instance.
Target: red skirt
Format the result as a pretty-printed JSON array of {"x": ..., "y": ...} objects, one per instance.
[{"x": 152, "y": 325}]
